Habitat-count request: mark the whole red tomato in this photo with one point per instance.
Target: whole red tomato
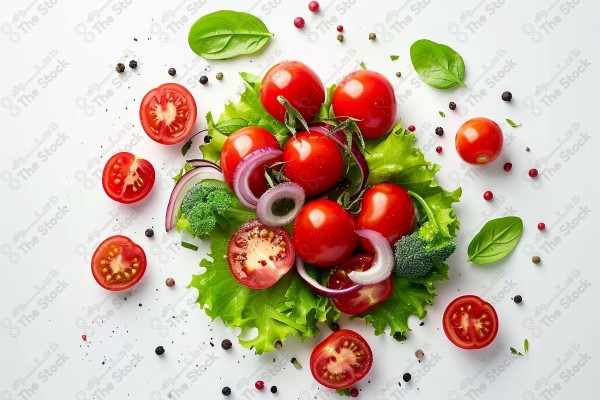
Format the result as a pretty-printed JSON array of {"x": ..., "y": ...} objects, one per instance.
[{"x": 479, "y": 141}]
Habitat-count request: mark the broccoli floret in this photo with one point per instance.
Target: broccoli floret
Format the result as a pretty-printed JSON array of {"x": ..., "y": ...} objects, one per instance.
[{"x": 415, "y": 257}]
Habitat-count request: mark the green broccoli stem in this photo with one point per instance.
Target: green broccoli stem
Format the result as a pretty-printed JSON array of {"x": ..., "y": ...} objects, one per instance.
[{"x": 428, "y": 210}]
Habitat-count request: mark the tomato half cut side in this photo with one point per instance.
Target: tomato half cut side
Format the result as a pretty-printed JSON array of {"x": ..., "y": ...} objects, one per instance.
[
  {"x": 118, "y": 263},
  {"x": 168, "y": 113},
  {"x": 341, "y": 360},
  {"x": 259, "y": 256},
  {"x": 470, "y": 322},
  {"x": 127, "y": 178},
  {"x": 368, "y": 296}
]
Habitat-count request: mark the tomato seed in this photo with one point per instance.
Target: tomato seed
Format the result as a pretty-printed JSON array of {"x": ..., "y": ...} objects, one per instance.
[
  {"x": 533, "y": 172},
  {"x": 411, "y": 128},
  {"x": 541, "y": 226},
  {"x": 340, "y": 28},
  {"x": 439, "y": 149},
  {"x": 313, "y": 6},
  {"x": 299, "y": 22},
  {"x": 488, "y": 195},
  {"x": 260, "y": 385},
  {"x": 507, "y": 166}
]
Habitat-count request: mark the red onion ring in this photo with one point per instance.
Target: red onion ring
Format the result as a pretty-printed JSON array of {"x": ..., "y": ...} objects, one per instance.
[
  {"x": 285, "y": 190},
  {"x": 188, "y": 180},
  {"x": 317, "y": 287},
  {"x": 382, "y": 265},
  {"x": 241, "y": 176}
]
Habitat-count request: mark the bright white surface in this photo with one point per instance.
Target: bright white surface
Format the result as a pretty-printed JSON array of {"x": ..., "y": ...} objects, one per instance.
[{"x": 79, "y": 112}]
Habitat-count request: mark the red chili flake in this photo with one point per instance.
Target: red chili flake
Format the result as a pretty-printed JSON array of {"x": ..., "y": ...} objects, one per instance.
[
  {"x": 84, "y": 337},
  {"x": 487, "y": 196},
  {"x": 541, "y": 226},
  {"x": 411, "y": 128},
  {"x": 507, "y": 166}
]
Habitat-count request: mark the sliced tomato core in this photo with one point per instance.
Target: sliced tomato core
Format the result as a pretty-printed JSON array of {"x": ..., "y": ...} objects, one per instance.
[{"x": 118, "y": 263}]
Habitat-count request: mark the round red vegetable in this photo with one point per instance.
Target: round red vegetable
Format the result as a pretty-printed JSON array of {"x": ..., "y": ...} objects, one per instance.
[
  {"x": 118, "y": 263},
  {"x": 479, "y": 141},
  {"x": 470, "y": 322},
  {"x": 127, "y": 178}
]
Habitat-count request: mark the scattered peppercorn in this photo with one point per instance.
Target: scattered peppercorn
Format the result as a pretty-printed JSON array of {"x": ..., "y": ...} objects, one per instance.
[
  {"x": 406, "y": 377},
  {"x": 411, "y": 128},
  {"x": 149, "y": 232},
  {"x": 273, "y": 389},
  {"x": 533, "y": 172},
  {"x": 159, "y": 351},
  {"x": 260, "y": 385},
  {"x": 207, "y": 139},
  {"x": 340, "y": 37},
  {"x": 439, "y": 131},
  {"x": 507, "y": 166},
  {"x": 219, "y": 76},
  {"x": 507, "y": 96},
  {"x": 335, "y": 326},
  {"x": 439, "y": 149},
  {"x": 354, "y": 392},
  {"x": 226, "y": 391},
  {"x": 452, "y": 105},
  {"x": 518, "y": 299},
  {"x": 527, "y": 149},
  {"x": 299, "y": 22},
  {"x": 226, "y": 344},
  {"x": 313, "y": 6},
  {"x": 536, "y": 259},
  {"x": 398, "y": 74},
  {"x": 278, "y": 344},
  {"x": 372, "y": 36},
  {"x": 170, "y": 282},
  {"x": 541, "y": 226},
  {"x": 133, "y": 64},
  {"x": 419, "y": 354},
  {"x": 487, "y": 195},
  {"x": 172, "y": 71},
  {"x": 203, "y": 79},
  {"x": 120, "y": 68},
  {"x": 340, "y": 28}
]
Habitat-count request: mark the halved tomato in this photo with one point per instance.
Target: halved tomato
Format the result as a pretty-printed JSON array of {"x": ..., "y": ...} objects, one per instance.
[
  {"x": 118, "y": 263},
  {"x": 341, "y": 360},
  {"x": 258, "y": 255},
  {"x": 168, "y": 113},
  {"x": 127, "y": 178},
  {"x": 367, "y": 296},
  {"x": 470, "y": 322}
]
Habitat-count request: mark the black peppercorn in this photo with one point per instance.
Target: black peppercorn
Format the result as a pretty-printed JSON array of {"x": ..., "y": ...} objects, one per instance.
[
  {"x": 273, "y": 389},
  {"x": 172, "y": 71},
  {"x": 507, "y": 96},
  {"x": 518, "y": 299},
  {"x": 120, "y": 68},
  {"x": 207, "y": 139},
  {"x": 536, "y": 259},
  {"x": 159, "y": 351},
  {"x": 226, "y": 344},
  {"x": 439, "y": 131},
  {"x": 226, "y": 391},
  {"x": 203, "y": 79},
  {"x": 335, "y": 326},
  {"x": 133, "y": 64},
  {"x": 406, "y": 377},
  {"x": 149, "y": 232},
  {"x": 340, "y": 37},
  {"x": 452, "y": 105}
]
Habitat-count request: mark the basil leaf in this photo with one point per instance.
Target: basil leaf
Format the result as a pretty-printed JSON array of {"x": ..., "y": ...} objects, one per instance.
[
  {"x": 226, "y": 34},
  {"x": 495, "y": 240},
  {"x": 512, "y": 123},
  {"x": 437, "y": 64}
]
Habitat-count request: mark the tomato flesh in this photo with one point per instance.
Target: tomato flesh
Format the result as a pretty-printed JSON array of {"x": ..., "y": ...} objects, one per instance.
[
  {"x": 168, "y": 113},
  {"x": 241, "y": 143},
  {"x": 341, "y": 360},
  {"x": 479, "y": 141},
  {"x": 324, "y": 233},
  {"x": 470, "y": 322},
  {"x": 118, "y": 263},
  {"x": 368, "y": 296},
  {"x": 258, "y": 255},
  {"x": 127, "y": 178}
]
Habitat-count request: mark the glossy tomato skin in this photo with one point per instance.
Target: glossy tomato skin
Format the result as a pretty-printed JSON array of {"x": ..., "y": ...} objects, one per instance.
[
  {"x": 118, "y": 263},
  {"x": 324, "y": 233},
  {"x": 387, "y": 209},
  {"x": 470, "y": 322},
  {"x": 479, "y": 141},
  {"x": 258, "y": 256},
  {"x": 241, "y": 143},
  {"x": 313, "y": 161},
  {"x": 368, "y": 96},
  {"x": 299, "y": 84},
  {"x": 168, "y": 113},
  {"x": 368, "y": 296},
  {"x": 341, "y": 360},
  {"x": 127, "y": 178}
]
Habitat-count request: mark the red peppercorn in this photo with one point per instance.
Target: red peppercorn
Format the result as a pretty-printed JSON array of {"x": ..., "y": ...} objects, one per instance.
[
  {"x": 340, "y": 28},
  {"x": 299, "y": 22},
  {"x": 411, "y": 128},
  {"x": 354, "y": 392},
  {"x": 541, "y": 226},
  {"x": 533, "y": 172},
  {"x": 507, "y": 166},
  {"x": 439, "y": 149},
  {"x": 487, "y": 196},
  {"x": 260, "y": 385},
  {"x": 313, "y": 6}
]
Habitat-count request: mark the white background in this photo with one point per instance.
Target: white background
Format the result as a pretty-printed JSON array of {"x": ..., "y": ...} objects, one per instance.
[{"x": 60, "y": 124}]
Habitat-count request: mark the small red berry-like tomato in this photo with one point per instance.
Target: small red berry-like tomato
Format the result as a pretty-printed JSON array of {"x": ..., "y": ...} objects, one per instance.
[
  {"x": 470, "y": 322},
  {"x": 367, "y": 96},
  {"x": 300, "y": 86},
  {"x": 118, "y": 263},
  {"x": 127, "y": 178},
  {"x": 479, "y": 141}
]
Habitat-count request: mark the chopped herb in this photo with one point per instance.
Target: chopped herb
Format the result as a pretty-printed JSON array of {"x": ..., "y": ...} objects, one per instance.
[
  {"x": 394, "y": 57},
  {"x": 525, "y": 349},
  {"x": 189, "y": 245},
  {"x": 442, "y": 114},
  {"x": 526, "y": 346},
  {"x": 186, "y": 147},
  {"x": 512, "y": 123},
  {"x": 297, "y": 365},
  {"x": 363, "y": 65},
  {"x": 515, "y": 352}
]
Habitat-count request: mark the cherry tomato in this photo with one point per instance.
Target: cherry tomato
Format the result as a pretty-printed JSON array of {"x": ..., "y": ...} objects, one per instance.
[
  {"x": 341, "y": 360},
  {"x": 479, "y": 141},
  {"x": 118, "y": 263},
  {"x": 168, "y": 113},
  {"x": 324, "y": 233},
  {"x": 313, "y": 161},
  {"x": 258, "y": 256},
  {"x": 387, "y": 209},
  {"x": 368, "y": 96},
  {"x": 299, "y": 84},
  {"x": 470, "y": 322},
  {"x": 127, "y": 178},
  {"x": 241, "y": 143},
  {"x": 367, "y": 296}
]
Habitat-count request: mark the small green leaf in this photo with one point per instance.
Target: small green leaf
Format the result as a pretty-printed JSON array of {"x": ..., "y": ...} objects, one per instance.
[
  {"x": 512, "y": 123},
  {"x": 438, "y": 65},
  {"x": 394, "y": 57},
  {"x": 363, "y": 65},
  {"x": 495, "y": 240},
  {"x": 186, "y": 147},
  {"x": 443, "y": 115},
  {"x": 526, "y": 345},
  {"x": 189, "y": 245},
  {"x": 292, "y": 115},
  {"x": 515, "y": 352},
  {"x": 343, "y": 392}
]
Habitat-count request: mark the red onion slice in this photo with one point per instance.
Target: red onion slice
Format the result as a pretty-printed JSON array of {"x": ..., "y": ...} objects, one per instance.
[
  {"x": 382, "y": 265},
  {"x": 317, "y": 287},
  {"x": 241, "y": 176},
  {"x": 286, "y": 190},
  {"x": 188, "y": 180}
]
